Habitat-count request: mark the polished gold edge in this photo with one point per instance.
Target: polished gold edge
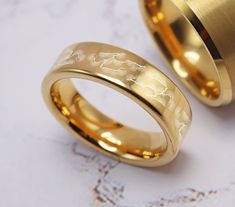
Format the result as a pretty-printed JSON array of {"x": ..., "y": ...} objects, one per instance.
[
  {"x": 188, "y": 9},
  {"x": 135, "y": 78}
]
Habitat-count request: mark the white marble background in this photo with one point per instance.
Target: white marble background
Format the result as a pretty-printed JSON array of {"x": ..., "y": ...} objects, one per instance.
[{"x": 40, "y": 162}]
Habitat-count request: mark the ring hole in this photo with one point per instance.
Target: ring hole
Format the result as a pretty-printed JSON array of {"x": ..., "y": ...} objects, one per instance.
[
  {"x": 102, "y": 131},
  {"x": 116, "y": 106}
]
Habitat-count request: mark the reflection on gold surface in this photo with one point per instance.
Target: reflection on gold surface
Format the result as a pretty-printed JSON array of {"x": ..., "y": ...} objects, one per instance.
[
  {"x": 107, "y": 147},
  {"x": 192, "y": 57},
  {"x": 180, "y": 70},
  {"x": 184, "y": 62},
  {"x": 110, "y": 137}
]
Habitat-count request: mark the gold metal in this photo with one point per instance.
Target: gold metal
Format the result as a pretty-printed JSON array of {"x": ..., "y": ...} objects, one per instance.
[
  {"x": 197, "y": 38},
  {"x": 132, "y": 76}
]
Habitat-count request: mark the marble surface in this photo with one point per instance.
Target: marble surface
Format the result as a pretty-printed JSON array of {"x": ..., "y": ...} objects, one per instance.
[{"x": 41, "y": 164}]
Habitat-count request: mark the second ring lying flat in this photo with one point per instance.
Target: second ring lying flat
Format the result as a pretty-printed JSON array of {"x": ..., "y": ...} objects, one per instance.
[
  {"x": 197, "y": 38},
  {"x": 132, "y": 76}
]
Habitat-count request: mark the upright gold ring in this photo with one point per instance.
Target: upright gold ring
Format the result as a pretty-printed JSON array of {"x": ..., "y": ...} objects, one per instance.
[
  {"x": 132, "y": 76},
  {"x": 197, "y": 38}
]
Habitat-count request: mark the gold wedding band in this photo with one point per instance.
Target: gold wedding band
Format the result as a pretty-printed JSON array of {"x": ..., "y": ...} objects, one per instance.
[
  {"x": 197, "y": 38},
  {"x": 135, "y": 78}
]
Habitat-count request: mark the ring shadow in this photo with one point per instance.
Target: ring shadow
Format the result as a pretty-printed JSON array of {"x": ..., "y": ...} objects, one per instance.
[
  {"x": 225, "y": 113},
  {"x": 176, "y": 168}
]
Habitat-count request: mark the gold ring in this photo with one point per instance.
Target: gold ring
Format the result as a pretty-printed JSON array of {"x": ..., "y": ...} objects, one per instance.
[
  {"x": 132, "y": 76},
  {"x": 197, "y": 38}
]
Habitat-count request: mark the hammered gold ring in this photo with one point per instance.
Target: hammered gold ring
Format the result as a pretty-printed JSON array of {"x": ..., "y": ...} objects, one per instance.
[
  {"x": 197, "y": 38},
  {"x": 132, "y": 76}
]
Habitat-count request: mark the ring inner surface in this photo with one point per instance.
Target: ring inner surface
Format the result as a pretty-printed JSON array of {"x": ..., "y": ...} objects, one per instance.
[
  {"x": 184, "y": 48},
  {"x": 102, "y": 131}
]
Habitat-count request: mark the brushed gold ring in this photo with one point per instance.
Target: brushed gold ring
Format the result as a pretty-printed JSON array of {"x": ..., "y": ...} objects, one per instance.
[
  {"x": 197, "y": 38},
  {"x": 132, "y": 76}
]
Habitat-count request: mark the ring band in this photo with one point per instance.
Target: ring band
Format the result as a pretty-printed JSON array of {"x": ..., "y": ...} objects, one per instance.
[
  {"x": 197, "y": 39},
  {"x": 135, "y": 78}
]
